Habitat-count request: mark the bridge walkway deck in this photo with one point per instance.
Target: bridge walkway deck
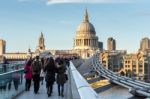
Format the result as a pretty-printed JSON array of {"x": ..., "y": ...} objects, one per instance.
[{"x": 43, "y": 93}]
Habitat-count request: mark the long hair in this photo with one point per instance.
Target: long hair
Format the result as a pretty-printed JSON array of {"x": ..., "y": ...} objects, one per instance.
[{"x": 29, "y": 62}]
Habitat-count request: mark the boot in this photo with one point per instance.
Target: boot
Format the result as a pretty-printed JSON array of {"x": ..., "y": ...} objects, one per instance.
[
  {"x": 59, "y": 93},
  {"x": 62, "y": 94},
  {"x": 48, "y": 92}
]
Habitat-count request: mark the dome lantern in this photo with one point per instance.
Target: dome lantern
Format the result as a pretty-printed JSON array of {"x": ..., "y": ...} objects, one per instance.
[{"x": 86, "y": 18}]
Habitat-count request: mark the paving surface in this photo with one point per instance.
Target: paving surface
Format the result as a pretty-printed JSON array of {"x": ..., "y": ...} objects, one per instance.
[{"x": 42, "y": 93}]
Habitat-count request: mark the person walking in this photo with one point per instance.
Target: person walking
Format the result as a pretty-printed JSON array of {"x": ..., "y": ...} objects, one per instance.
[
  {"x": 5, "y": 65},
  {"x": 36, "y": 70},
  {"x": 67, "y": 61},
  {"x": 28, "y": 74},
  {"x": 16, "y": 79},
  {"x": 50, "y": 75},
  {"x": 61, "y": 77}
]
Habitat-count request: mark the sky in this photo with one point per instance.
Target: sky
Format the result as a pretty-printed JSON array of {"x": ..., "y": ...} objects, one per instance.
[{"x": 21, "y": 21}]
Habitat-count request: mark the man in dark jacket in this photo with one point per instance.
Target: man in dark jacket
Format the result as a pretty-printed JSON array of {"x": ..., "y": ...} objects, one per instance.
[{"x": 36, "y": 70}]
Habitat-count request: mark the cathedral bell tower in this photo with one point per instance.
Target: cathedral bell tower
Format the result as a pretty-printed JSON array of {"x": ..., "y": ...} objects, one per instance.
[{"x": 41, "y": 45}]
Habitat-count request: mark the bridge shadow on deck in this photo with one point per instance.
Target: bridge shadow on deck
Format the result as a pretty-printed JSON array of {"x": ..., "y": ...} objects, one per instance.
[
  {"x": 137, "y": 98},
  {"x": 104, "y": 88}
]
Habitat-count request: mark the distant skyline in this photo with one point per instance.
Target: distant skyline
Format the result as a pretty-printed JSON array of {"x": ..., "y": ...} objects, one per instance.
[{"x": 21, "y": 21}]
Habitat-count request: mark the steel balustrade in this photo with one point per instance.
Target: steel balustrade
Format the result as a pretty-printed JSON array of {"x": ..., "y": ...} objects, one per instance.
[{"x": 135, "y": 87}]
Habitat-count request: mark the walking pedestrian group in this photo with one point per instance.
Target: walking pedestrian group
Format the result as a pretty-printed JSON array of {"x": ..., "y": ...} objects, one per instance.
[{"x": 48, "y": 68}]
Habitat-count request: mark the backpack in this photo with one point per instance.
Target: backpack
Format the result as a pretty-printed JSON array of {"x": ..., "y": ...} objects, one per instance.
[{"x": 36, "y": 67}]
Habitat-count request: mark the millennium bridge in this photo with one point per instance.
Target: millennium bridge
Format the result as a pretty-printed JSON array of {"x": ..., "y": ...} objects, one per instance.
[{"x": 77, "y": 86}]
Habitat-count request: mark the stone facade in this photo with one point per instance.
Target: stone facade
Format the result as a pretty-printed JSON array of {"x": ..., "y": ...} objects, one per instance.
[
  {"x": 111, "y": 44},
  {"x": 145, "y": 44},
  {"x": 112, "y": 60},
  {"x": 2, "y": 46},
  {"x": 137, "y": 65}
]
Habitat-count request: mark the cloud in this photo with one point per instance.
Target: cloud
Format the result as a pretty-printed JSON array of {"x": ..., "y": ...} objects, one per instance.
[
  {"x": 63, "y": 1},
  {"x": 86, "y": 1},
  {"x": 49, "y": 2}
]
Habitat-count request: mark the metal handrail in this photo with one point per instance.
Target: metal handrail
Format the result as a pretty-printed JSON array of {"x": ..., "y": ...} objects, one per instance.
[
  {"x": 21, "y": 69},
  {"x": 5, "y": 83},
  {"x": 10, "y": 67},
  {"x": 82, "y": 85},
  {"x": 7, "y": 76}
]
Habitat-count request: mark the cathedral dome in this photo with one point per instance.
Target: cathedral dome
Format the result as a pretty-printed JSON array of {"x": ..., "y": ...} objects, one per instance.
[{"x": 86, "y": 26}]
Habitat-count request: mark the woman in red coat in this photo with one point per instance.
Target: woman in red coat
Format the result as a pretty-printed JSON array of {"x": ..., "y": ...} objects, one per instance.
[{"x": 28, "y": 74}]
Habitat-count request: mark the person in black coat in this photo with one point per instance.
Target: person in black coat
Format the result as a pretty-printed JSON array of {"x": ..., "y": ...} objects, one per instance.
[
  {"x": 50, "y": 75},
  {"x": 61, "y": 77}
]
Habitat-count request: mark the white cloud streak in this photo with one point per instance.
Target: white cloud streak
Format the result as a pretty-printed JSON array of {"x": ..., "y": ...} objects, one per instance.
[
  {"x": 63, "y": 1},
  {"x": 49, "y": 2},
  {"x": 86, "y": 1}
]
